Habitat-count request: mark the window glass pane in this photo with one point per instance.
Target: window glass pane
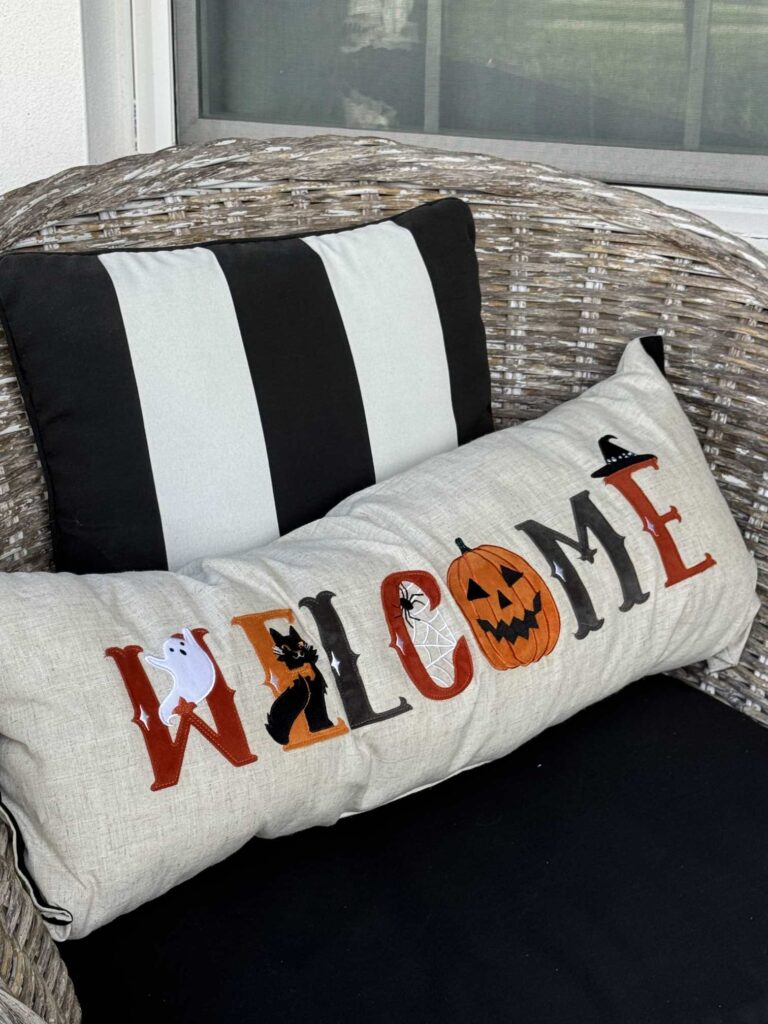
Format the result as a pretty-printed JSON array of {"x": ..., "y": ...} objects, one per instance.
[
  {"x": 735, "y": 108},
  {"x": 345, "y": 63},
  {"x": 582, "y": 71}
]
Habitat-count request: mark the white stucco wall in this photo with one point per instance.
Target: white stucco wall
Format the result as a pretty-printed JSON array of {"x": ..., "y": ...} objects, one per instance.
[{"x": 42, "y": 91}]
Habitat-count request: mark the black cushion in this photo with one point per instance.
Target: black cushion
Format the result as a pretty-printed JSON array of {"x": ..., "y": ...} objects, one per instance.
[{"x": 615, "y": 869}]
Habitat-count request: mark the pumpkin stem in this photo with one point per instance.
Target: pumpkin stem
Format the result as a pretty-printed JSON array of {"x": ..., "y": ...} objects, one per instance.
[{"x": 462, "y": 546}]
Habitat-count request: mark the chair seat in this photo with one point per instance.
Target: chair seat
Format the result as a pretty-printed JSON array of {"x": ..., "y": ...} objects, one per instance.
[{"x": 612, "y": 870}]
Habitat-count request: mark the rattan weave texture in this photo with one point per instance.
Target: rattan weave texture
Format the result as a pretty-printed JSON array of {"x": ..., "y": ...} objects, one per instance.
[
  {"x": 571, "y": 269},
  {"x": 33, "y": 978}
]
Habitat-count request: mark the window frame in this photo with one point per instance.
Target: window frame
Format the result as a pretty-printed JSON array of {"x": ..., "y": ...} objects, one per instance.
[{"x": 625, "y": 165}]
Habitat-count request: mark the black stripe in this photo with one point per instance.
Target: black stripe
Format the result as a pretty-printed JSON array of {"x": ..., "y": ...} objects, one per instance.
[
  {"x": 654, "y": 346},
  {"x": 445, "y": 235},
  {"x": 303, "y": 374},
  {"x": 85, "y": 410}
]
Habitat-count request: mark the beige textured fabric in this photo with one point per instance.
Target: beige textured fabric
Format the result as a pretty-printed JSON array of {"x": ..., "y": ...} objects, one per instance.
[{"x": 666, "y": 560}]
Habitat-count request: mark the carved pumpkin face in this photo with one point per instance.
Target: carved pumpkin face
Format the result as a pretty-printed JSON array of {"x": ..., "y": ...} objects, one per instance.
[{"x": 509, "y": 607}]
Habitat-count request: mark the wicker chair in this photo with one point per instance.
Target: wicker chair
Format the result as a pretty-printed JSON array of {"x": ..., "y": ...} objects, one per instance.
[{"x": 571, "y": 269}]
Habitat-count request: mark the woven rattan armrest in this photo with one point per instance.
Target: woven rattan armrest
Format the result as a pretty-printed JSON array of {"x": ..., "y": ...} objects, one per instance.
[
  {"x": 14, "y": 1012},
  {"x": 34, "y": 983}
]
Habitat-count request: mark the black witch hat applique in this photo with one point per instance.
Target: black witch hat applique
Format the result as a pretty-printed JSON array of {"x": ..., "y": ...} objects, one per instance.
[{"x": 616, "y": 457}]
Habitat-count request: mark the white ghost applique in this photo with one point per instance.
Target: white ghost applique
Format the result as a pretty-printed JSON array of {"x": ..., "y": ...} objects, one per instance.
[{"x": 191, "y": 669}]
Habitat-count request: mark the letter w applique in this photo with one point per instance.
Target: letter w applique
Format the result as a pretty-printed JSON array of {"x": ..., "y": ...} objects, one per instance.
[{"x": 195, "y": 678}]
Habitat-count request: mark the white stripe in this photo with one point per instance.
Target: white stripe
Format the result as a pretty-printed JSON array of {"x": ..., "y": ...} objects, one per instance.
[
  {"x": 201, "y": 418},
  {"x": 387, "y": 304}
]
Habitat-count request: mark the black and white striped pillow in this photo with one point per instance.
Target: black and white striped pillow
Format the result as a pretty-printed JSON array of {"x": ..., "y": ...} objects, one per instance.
[{"x": 197, "y": 401}]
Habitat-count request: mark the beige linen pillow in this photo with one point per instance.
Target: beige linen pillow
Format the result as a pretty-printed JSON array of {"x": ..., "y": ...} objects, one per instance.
[{"x": 153, "y": 722}]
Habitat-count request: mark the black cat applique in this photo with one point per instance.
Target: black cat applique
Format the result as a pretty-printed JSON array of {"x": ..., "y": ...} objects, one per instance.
[{"x": 305, "y": 694}]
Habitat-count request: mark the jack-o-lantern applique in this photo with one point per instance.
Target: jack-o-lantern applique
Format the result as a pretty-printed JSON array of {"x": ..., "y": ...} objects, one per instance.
[{"x": 509, "y": 607}]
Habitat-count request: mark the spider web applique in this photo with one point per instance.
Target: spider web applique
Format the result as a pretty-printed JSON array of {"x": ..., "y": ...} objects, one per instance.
[{"x": 431, "y": 635}]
